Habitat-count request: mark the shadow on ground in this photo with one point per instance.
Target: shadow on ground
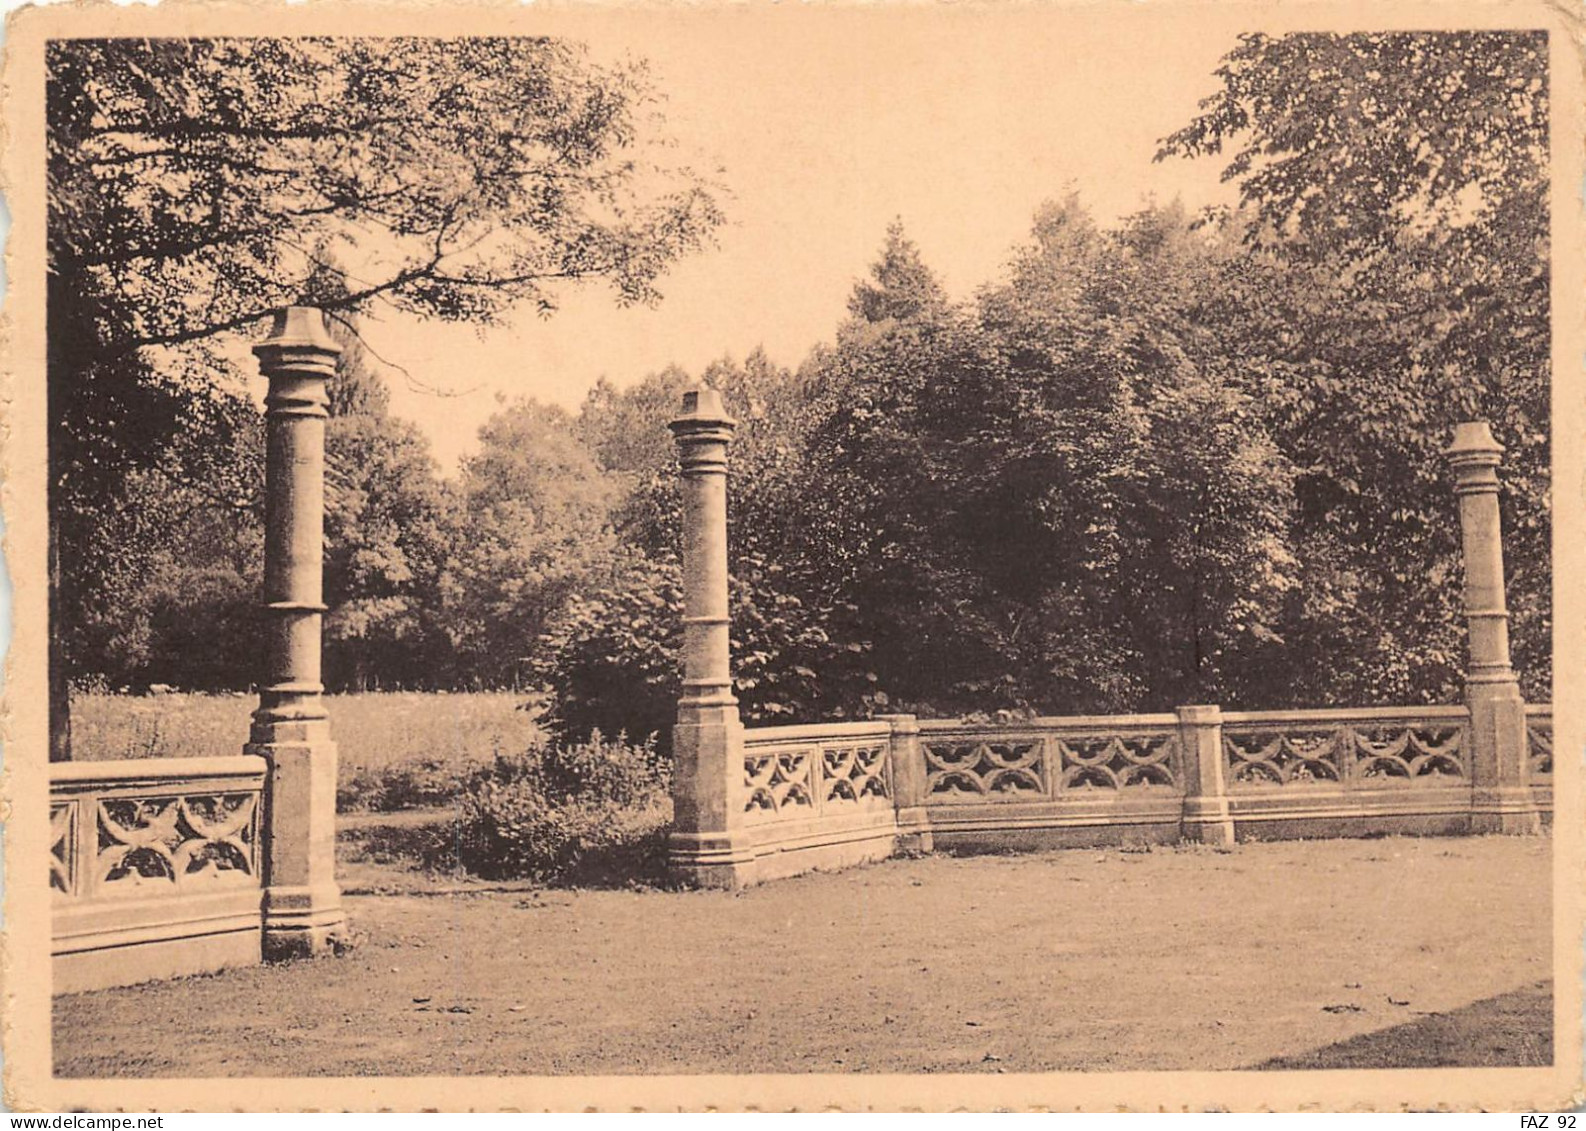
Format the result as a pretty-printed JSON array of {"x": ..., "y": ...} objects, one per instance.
[{"x": 1511, "y": 1030}]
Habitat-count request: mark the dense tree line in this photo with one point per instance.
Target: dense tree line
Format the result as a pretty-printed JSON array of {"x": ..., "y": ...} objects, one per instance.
[
  {"x": 1174, "y": 459},
  {"x": 196, "y": 185}
]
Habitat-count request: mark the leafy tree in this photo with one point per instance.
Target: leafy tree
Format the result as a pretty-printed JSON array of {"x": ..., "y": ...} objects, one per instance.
[
  {"x": 1395, "y": 195},
  {"x": 878, "y": 528},
  {"x": 1122, "y": 459},
  {"x": 536, "y": 522},
  {"x": 901, "y": 287},
  {"x": 197, "y": 185},
  {"x": 183, "y": 535},
  {"x": 389, "y": 528},
  {"x": 610, "y": 659},
  {"x": 625, "y": 429}
]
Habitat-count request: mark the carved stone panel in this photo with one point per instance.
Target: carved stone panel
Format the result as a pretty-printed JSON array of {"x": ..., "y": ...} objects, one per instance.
[
  {"x": 1277, "y": 758},
  {"x": 1365, "y": 752},
  {"x": 1117, "y": 761},
  {"x": 63, "y": 840},
  {"x": 991, "y": 768},
  {"x": 1409, "y": 752},
  {"x": 176, "y": 842},
  {"x": 851, "y": 774},
  {"x": 778, "y": 782}
]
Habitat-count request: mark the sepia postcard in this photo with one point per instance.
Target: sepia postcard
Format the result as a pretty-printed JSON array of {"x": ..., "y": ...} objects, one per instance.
[{"x": 834, "y": 556}]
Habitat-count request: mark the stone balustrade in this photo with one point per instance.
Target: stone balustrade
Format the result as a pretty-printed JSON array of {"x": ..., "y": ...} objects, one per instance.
[
  {"x": 156, "y": 868},
  {"x": 1539, "y": 756},
  {"x": 809, "y": 795},
  {"x": 177, "y": 866},
  {"x": 818, "y": 796},
  {"x": 804, "y": 771},
  {"x": 1363, "y": 748},
  {"x": 828, "y": 795},
  {"x": 1050, "y": 758}
]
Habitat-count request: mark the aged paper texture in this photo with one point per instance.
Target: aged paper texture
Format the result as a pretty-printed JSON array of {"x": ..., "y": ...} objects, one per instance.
[{"x": 554, "y": 201}]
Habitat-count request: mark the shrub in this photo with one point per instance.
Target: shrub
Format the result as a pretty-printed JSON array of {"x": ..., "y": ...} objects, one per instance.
[
  {"x": 423, "y": 783},
  {"x": 593, "y": 811},
  {"x": 611, "y": 660}
]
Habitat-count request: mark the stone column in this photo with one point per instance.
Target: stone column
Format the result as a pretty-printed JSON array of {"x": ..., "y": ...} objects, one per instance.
[
  {"x": 1207, "y": 819},
  {"x": 1502, "y": 801},
  {"x": 708, "y": 846},
  {"x": 908, "y": 783},
  {"x": 303, "y": 915}
]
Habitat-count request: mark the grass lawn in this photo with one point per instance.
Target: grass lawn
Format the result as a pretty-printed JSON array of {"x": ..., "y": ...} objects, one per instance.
[
  {"x": 375, "y": 732},
  {"x": 1365, "y": 953}
]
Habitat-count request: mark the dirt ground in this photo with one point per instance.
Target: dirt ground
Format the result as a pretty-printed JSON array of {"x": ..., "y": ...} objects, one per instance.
[{"x": 1374, "y": 953}]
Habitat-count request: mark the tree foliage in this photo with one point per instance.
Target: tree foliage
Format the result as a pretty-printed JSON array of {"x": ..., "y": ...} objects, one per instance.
[
  {"x": 536, "y": 525},
  {"x": 390, "y": 528},
  {"x": 1053, "y": 498},
  {"x": 1175, "y": 459},
  {"x": 197, "y": 185},
  {"x": 1395, "y": 191}
]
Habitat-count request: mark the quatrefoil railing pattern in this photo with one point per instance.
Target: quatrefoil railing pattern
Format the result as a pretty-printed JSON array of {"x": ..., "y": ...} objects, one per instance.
[
  {"x": 854, "y": 773},
  {"x": 1050, "y": 759},
  {"x": 801, "y": 772},
  {"x": 1281, "y": 757},
  {"x": 1118, "y": 761},
  {"x": 177, "y": 840},
  {"x": 1135, "y": 760},
  {"x": 1539, "y": 742},
  {"x": 145, "y": 828},
  {"x": 985, "y": 768},
  {"x": 779, "y": 781},
  {"x": 1309, "y": 748}
]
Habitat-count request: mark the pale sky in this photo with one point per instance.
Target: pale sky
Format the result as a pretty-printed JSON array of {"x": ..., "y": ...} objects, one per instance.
[{"x": 826, "y": 125}]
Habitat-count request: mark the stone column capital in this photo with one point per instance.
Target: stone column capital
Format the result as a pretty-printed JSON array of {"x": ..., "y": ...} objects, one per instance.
[
  {"x": 298, "y": 357},
  {"x": 703, "y": 423},
  {"x": 1474, "y": 455},
  {"x": 298, "y": 338}
]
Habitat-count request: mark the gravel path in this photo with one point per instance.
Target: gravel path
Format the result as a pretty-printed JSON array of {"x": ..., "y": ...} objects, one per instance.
[{"x": 1382, "y": 953}]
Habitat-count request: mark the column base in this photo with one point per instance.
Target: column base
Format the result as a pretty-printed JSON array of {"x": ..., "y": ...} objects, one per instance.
[
  {"x": 914, "y": 832},
  {"x": 723, "y": 861},
  {"x": 304, "y": 923},
  {"x": 1505, "y": 811},
  {"x": 1207, "y": 820}
]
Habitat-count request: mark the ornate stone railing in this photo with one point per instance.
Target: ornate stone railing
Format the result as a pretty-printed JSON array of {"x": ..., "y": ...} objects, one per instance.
[
  {"x": 1049, "y": 758},
  {"x": 1539, "y": 742},
  {"x": 1049, "y": 781},
  {"x": 821, "y": 796},
  {"x": 1363, "y": 747},
  {"x": 818, "y": 796},
  {"x": 1197, "y": 774},
  {"x": 798, "y": 772},
  {"x": 155, "y": 867}
]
